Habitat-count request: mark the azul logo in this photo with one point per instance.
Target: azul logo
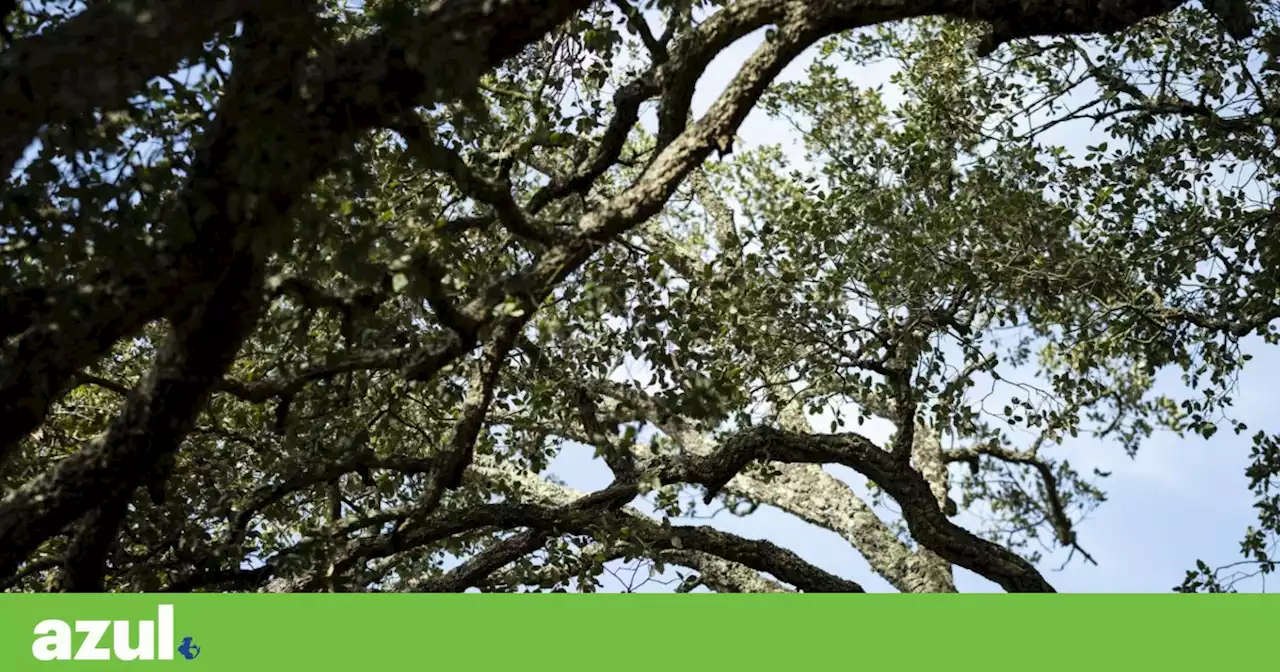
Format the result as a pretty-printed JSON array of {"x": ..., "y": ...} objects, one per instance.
[{"x": 149, "y": 640}]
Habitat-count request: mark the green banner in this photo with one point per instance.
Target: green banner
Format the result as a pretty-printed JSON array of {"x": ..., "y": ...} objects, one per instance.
[{"x": 638, "y": 632}]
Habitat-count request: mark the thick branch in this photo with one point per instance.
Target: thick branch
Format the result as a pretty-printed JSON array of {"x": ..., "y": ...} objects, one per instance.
[
  {"x": 84, "y": 564},
  {"x": 474, "y": 570},
  {"x": 819, "y": 498},
  {"x": 156, "y": 418},
  {"x": 926, "y": 455},
  {"x": 204, "y": 235},
  {"x": 733, "y": 560},
  {"x": 813, "y": 495},
  {"x": 926, "y": 521},
  {"x": 1015, "y": 20},
  {"x": 436, "y": 56},
  {"x": 457, "y": 455},
  {"x": 97, "y": 60}
]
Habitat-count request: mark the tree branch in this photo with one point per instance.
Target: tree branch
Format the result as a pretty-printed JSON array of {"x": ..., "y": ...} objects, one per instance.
[
  {"x": 926, "y": 521},
  {"x": 97, "y": 61},
  {"x": 457, "y": 456},
  {"x": 495, "y": 194},
  {"x": 156, "y": 418},
  {"x": 474, "y": 570},
  {"x": 436, "y": 56},
  {"x": 84, "y": 564},
  {"x": 1063, "y": 528}
]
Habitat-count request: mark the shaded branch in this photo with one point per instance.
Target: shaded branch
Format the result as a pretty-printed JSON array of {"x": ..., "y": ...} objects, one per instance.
[
  {"x": 495, "y": 194},
  {"x": 436, "y": 55},
  {"x": 359, "y": 461},
  {"x": 97, "y": 60},
  {"x": 84, "y": 563},
  {"x": 155, "y": 420},
  {"x": 457, "y": 455},
  {"x": 31, "y": 568}
]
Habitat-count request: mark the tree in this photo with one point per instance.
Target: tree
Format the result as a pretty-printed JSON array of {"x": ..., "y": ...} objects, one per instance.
[
  {"x": 333, "y": 285},
  {"x": 1183, "y": 199}
]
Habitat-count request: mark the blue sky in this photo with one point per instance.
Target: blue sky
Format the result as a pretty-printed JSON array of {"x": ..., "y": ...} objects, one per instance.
[{"x": 1178, "y": 500}]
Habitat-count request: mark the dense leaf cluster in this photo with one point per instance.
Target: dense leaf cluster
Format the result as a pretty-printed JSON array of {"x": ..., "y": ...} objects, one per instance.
[{"x": 310, "y": 295}]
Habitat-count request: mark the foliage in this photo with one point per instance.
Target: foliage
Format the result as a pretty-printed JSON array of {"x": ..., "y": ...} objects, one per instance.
[{"x": 315, "y": 305}]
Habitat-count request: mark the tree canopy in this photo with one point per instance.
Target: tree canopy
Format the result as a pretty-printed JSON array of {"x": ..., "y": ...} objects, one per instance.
[{"x": 308, "y": 296}]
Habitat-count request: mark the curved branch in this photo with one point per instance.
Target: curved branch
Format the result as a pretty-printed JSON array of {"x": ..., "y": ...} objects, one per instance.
[
  {"x": 758, "y": 554},
  {"x": 808, "y": 492},
  {"x": 156, "y": 418},
  {"x": 718, "y": 574},
  {"x": 268, "y": 495},
  {"x": 926, "y": 456},
  {"x": 818, "y": 498},
  {"x": 476, "y": 569},
  {"x": 732, "y": 555}
]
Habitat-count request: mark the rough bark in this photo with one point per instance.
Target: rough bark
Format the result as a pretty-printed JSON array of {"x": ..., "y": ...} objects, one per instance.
[
  {"x": 928, "y": 460},
  {"x": 926, "y": 521}
]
